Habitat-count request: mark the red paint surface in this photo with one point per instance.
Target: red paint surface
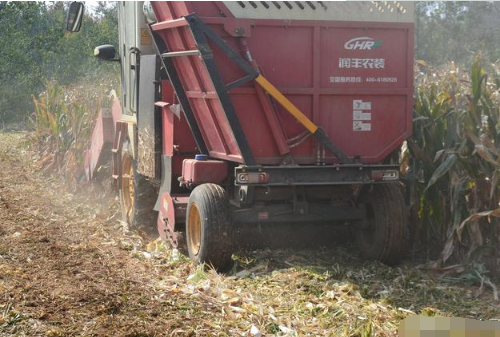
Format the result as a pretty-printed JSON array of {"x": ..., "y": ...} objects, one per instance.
[
  {"x": 172, "y": 212},
  {"x": 299, "y": 57},
  {"x": 178, "y": 142},
  {"x": 204, "y": 171},
  {"x": 102, "y": 134}
]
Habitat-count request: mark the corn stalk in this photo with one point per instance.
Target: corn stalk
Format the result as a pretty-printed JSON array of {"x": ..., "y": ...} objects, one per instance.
[{"x": 453, "y": 161}]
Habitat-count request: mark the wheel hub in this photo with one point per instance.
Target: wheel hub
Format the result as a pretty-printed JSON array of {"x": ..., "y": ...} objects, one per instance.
[{"x": 194, "y": 229}]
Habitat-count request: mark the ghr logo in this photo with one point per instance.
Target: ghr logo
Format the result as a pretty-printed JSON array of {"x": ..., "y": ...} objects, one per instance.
[{"x": 362, "y": 43}]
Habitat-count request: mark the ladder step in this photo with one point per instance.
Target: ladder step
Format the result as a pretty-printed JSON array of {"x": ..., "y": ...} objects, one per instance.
[
  {"x": 169, "y": 24},
  {"x": 161, "y": 104},
  {"x": 181, "y": 53}
]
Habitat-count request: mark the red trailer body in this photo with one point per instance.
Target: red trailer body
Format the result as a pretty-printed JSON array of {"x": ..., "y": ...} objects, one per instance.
[{"x": 353, "y": 79}]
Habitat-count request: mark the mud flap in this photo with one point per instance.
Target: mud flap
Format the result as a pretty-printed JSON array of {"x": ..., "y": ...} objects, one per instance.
[
  {"x": 166, "y": 179},
  {"x": 148, "y": 122}
]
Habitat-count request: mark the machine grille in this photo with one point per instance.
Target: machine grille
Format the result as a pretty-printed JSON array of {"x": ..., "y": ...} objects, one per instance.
[{"x": 376, "y": 11}]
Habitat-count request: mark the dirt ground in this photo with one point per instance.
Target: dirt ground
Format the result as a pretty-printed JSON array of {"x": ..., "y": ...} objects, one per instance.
[{"x": 69, "y": 268}]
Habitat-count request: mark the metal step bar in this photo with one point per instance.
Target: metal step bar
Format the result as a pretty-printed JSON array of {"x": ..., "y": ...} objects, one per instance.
[{"x": 181, "y": 53}]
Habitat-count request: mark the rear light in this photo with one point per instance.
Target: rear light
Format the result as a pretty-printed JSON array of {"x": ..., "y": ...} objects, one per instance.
[
  {"x": 252, "y": 178},
  {"x": 385, "y": 175}
]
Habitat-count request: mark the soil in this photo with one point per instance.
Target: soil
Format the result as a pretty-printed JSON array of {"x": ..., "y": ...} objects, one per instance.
[
  {"x": 65, "y": 264},
  {"x": 68, "y": 267}
]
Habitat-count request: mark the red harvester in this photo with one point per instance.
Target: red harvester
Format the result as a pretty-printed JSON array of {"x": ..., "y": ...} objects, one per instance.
[{"x": 255, "y": 113}]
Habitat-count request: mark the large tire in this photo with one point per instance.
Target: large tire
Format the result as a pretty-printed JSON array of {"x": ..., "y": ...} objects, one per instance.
[
  {"x": 384, "y": 236},
  {"x": 137, "y": 196},
  {"x": 208, "y": 227}
]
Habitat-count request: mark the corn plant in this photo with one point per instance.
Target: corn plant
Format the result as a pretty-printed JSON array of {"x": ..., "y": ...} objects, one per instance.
[
  {"x": 63, "y": 122},
  {"x": 453, "y": 161}
]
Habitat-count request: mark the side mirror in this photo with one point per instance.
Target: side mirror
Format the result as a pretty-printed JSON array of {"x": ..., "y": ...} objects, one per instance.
[
  {"x": 106, "y": 52},
  {"x": 74, "y": 17}
]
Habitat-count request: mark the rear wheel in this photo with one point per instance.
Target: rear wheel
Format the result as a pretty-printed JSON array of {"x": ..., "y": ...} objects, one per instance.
[
  {"x": 137, "y": 195},
  {"x": 384, "y": 235},
  {"x": 208, "y": 227}
]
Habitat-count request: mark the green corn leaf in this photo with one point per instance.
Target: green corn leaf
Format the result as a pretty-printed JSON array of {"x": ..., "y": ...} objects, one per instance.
[{"x": 442, "y": 170}]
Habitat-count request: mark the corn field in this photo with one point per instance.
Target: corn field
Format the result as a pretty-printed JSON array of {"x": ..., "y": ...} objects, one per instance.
[{"x": 452, "y": 163}]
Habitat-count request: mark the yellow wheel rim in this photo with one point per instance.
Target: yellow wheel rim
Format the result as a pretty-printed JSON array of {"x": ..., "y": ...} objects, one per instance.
[
  {"x": 128, "y": 189},
  {"x": 194, "y": 229}
]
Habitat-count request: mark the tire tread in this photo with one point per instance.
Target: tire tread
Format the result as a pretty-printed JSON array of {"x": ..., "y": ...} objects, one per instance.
[
  {"x": 213, "y": 205},
  {"x": 391, "y": 235}
]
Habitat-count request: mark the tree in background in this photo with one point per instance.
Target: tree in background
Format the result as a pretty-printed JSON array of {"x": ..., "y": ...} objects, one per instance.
[
  {"x": 35, "y": 48},
  {"x": 456, "y": 30}
]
